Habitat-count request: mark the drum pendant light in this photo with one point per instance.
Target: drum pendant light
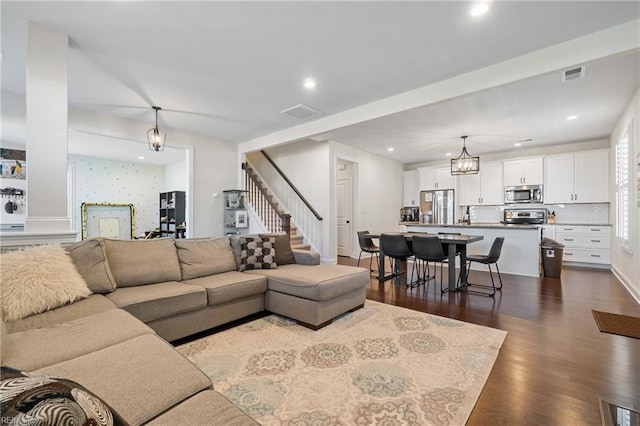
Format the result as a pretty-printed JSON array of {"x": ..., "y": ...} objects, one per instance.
[
  {"x": 465, "y": 164},
  {"x": 156, "y": 136}
]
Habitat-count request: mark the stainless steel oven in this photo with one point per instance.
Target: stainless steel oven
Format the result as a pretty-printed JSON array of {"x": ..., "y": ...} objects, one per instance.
[
  {"x": 525, "y": 217},
  {"x": 524, "y": 194}
]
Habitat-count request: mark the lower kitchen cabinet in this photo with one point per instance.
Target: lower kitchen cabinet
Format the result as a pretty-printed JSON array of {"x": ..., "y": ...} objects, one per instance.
[{"x": 585, "y": 244}]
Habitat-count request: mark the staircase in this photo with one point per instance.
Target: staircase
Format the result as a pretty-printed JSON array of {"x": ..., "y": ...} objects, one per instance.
[{"x": 297, "y": 241}]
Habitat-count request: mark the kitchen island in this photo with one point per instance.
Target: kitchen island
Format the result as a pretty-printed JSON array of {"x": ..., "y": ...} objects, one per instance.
[{"x": 520, "y": 252}]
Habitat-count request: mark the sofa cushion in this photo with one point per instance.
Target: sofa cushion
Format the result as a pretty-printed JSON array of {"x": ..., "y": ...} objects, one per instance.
[
  {"x": 257, "y": 253},
  {"x": 40, "y": 399},
  {"x": 228, "y": 286},
  {"x": 90, "y": 259},
  {"x": 31, "y": 349},
  {"x": 37, "y": 279},
  {"x": 284, "y": 253},
  {"x": 139, "y": 262},
  {"x": 320, "y": 282},
  {"x": 199, "y": 258},
  {"x": 92, "y": 305},
  {"x": 209, "y": 405},
  {"x": 139, "y": 378},
  {"x": 155, "y": 301}
]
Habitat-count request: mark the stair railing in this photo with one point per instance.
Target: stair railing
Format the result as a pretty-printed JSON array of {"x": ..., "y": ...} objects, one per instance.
[
  {"x": 274, "y": 218},
  {"x": 293, "y": 187}
]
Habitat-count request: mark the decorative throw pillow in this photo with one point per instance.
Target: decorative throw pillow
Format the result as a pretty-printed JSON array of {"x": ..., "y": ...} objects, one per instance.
[
  {"x": 38, "y": 279},
  {"x": 37, "y": 399},
  {"x": 90, "y": 259},
  {"x": 257, "y": 253},
  {"x": 284, "y": 254}
]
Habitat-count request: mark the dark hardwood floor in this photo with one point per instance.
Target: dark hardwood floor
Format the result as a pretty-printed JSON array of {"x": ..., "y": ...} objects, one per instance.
[{"x": 555, "y": 365}]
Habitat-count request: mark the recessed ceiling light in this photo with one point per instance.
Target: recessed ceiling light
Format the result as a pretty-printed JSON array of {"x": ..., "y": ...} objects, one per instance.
[
  {"x": 391, "y": 149},
  {"x": 309, "y": 83},
  {"x": 448, "y": 154},
  {"x": 141, "y": 158},
  {"x": 480, "y": 9},
  {"x": 517, "y": 144},
  {"x": 572, "y": 117}
]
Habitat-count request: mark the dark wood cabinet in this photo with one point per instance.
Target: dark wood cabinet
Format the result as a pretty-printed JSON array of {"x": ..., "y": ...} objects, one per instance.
[{"x": 173, "y": 214}]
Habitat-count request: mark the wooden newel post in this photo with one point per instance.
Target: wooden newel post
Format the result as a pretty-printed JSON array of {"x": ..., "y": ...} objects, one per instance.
[{"x": 285, "y": 223}]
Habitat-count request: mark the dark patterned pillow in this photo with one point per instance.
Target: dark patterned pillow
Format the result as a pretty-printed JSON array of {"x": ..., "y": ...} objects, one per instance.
[
  {"x": 257, "y": 253},
  {"x": 38, "y": 399}
]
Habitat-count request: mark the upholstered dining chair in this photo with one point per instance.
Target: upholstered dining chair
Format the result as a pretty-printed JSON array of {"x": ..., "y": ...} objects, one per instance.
[
  {"x": 429, "y": 249},
  {"x": 367, "y": 246},
  {"x": 489, "y": 259},
  {"x": 395, "y": 246}
]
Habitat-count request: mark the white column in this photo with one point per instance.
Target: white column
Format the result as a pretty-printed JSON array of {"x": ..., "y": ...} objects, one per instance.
[{"x": 47, "y": 116}]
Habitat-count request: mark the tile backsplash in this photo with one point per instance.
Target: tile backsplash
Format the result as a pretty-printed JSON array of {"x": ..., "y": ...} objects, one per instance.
[{"x": 565, "y": 213}]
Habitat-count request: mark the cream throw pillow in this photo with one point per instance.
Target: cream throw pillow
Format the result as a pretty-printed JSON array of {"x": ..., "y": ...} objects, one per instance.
[{"x": 38, "y": 279}]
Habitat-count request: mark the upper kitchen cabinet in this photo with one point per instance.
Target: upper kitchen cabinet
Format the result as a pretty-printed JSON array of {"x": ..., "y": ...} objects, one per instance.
[
  {"x": 411, "y": 191},
  {"x": 438, "y": 177},
  {"x": 484, "y": 188},
  {"x": 523, "y": 171},
  {"x": 580, "y": 177}
]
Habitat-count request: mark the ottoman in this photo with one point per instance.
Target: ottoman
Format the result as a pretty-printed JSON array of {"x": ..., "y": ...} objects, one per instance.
[{"x": 314, "y": 294}]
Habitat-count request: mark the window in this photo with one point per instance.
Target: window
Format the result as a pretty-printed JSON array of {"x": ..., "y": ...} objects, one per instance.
[{"x": 623, "y": 189}]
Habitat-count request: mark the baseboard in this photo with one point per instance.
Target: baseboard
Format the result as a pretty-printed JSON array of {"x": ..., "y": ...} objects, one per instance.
[{"x": 626, "y": 282}]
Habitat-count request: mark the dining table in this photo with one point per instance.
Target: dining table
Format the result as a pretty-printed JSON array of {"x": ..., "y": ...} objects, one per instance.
[{"x": 455, "y": 244}]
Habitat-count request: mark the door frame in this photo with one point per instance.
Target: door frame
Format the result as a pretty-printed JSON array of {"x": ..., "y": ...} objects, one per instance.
[{"x": 353, "y": 177}]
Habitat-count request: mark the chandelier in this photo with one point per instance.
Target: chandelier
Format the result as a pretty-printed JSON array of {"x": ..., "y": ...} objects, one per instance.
[
  {"x": 156, "y": 136},
  {"x": 465, "y": 164}
]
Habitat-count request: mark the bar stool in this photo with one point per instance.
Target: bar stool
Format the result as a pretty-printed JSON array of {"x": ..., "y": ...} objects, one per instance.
[
  {"x": 395, "y": 246},
  {"x": 429, "y": 249},
  {"x": 367, "y": 246},
  {"x": 489, "y": 259}
]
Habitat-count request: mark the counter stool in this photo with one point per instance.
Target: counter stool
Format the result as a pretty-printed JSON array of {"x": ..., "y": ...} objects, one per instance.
[{"x": 489, "y": 259}]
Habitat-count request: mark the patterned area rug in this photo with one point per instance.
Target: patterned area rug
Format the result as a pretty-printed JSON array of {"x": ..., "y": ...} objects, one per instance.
[{"x": 380, "y": 365}]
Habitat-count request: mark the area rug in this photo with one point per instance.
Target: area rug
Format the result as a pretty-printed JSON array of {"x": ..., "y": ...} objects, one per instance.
[
  {"x": 623, "y": 325},
  {"x": 378, "y": 365}
]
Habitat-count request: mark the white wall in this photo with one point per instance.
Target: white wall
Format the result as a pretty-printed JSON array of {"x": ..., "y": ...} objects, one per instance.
[
  {"x": 213, "y": 165},
  {"x": 626, "y": 265},
  {"x": 377, "y": 193}
]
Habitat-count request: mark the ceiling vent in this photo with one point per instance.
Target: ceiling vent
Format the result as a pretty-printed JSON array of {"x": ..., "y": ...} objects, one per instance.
[
  {"x": 302, "y": 112},
  {"x": 573, "y": 74}
]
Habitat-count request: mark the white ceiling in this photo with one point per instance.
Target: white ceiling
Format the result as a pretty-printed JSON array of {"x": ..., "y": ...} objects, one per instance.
[{"x": 227, "y": 69}]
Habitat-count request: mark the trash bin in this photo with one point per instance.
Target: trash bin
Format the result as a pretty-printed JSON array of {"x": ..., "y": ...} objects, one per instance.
[{"x": 551, "y": 257}]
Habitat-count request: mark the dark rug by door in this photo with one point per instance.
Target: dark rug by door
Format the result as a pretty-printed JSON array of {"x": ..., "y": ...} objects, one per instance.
[{"x": 623, "y": 325}]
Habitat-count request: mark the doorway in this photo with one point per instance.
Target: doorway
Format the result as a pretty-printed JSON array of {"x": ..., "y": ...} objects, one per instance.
[{"x": 344, "y": 206}]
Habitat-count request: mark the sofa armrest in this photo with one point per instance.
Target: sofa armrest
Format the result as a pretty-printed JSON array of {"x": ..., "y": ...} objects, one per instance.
[{"x": 306, "y": 257}]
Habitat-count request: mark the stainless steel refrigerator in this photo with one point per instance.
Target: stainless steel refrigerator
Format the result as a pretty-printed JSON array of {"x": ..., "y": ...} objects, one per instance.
[{"x": 437, "y": 207}]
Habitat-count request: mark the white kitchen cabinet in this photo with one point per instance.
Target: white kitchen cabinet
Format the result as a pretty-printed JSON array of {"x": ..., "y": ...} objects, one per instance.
[
  {"x": 549, "y": 231},
  {"x": 523, "y": 171},
  {"x": 411, "y": 190},
  {"x": 484, "y": 188},
  {"x": 585, "y": 244},
  {"x": 438, "y": 177},
  {"x": 581, "y": 177}
]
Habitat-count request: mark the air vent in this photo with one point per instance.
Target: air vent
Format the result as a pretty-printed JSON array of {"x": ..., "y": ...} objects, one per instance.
[
  {"x": 573, "y": 74},
  {"x": 302, "y": 112}
]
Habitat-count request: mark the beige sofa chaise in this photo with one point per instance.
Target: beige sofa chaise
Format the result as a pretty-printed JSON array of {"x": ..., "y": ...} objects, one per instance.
[{"x": 148, "y": 292}]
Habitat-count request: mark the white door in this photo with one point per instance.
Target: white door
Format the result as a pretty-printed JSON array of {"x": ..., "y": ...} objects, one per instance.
[{"x": 344, "y": 190}]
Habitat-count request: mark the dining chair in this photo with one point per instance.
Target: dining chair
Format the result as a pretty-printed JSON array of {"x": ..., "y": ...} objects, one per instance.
[
  {"x": 367, "y": 246},
  {"x": 489, "y": 259},
  {"x": 429, "y": 249},
  {"x": 396, "y": 247}
]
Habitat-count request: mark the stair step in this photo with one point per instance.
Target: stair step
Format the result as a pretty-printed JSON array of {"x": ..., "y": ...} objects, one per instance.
[
  {"x": 301, "y": 246},
  {"x": 296, "y": 239}
]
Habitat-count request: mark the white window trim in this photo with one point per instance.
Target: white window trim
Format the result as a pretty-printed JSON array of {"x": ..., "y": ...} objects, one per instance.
[{"x": 624, "y": 169}]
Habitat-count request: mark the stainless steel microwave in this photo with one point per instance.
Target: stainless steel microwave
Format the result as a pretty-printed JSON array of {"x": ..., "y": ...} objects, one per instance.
[{"x": 524, "y": 194}]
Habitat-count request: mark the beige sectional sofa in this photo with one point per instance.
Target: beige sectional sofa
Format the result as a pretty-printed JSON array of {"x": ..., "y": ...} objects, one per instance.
[{"x": 148, "y": 292}]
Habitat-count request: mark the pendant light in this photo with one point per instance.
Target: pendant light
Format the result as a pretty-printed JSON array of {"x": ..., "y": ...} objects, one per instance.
[
  {"x": 465, "y": 164},
  {"x": 156, "y": 136}
]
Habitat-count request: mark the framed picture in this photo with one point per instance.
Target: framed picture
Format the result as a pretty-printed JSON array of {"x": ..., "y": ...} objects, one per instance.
[
  {"x": 242, "y": 220},
  {"x": 108, "y": 220}
]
